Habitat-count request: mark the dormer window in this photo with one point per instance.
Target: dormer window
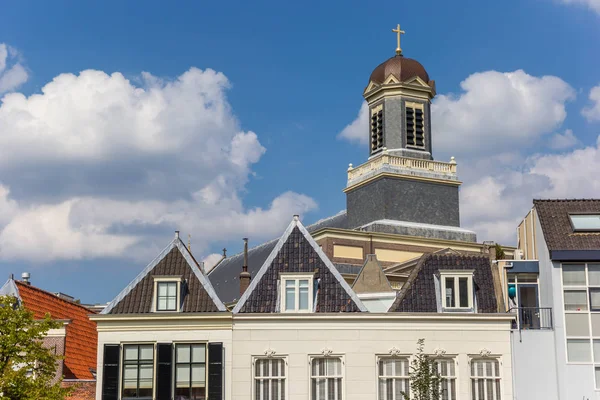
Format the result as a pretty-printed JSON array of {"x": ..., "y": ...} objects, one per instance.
[
  {"x": 167, "y": 293},
  {"x": 415, "y": 125},
  {"x": 457, "y": 290},
  {"x": 585, "y": 222},
  {"x": 297, "y": 292}
]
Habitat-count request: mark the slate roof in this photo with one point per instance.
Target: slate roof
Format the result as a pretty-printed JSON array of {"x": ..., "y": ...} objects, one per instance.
[
  {"x": 419, "y": 292},
  {"x": 81, "y": 336},
  {"x": 296, "y": 251},
  {"x": 174, "y": 260},
  {"x": 225, "y": 275},
  {"x": 556, "y": 225}
]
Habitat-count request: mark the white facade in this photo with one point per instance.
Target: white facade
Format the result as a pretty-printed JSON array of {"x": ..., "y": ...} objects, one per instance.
[{"x": 359, "y": 340}]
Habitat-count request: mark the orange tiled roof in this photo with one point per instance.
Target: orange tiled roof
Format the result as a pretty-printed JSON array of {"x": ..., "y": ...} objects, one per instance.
[{"x": 81, "y": 340}]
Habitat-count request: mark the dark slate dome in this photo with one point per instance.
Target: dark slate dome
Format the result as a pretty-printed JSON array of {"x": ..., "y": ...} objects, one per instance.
[{"x": 401, "y": 67}]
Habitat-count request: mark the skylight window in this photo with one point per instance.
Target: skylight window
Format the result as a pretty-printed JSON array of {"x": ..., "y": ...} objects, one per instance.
[{"x": 585, "y": 222}]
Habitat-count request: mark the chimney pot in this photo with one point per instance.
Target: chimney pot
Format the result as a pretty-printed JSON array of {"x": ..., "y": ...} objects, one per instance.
[
  {"x": 176, "y": 234},
  {"x": 25, "y": 277},
  {"x": 245, "y": 275},
  {"x": 296, "y": 217}
]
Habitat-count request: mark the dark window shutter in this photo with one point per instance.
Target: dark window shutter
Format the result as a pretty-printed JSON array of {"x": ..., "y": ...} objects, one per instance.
[
  {"x": 215, "y": 371},
  {"x": 110, "y": 374},
  {"x": 164, "y": 371}
]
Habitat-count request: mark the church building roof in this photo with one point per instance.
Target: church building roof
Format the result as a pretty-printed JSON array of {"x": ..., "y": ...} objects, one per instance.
[{"x": 402, "y": 68}]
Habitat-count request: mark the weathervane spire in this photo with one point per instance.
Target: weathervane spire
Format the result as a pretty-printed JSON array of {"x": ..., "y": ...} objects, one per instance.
[{"x": 398, "y": 32}]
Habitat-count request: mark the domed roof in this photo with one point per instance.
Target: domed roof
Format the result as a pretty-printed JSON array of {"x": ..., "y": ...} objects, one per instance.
[{"x": 401, "y": 67}]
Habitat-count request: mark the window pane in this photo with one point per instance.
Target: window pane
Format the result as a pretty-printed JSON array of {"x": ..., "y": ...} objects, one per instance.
[
  {"x": 183, "y": 353},
  {"x": 450, "y": 292},
  {"x": 198, "y": 375},
  {"x": 575, "y": 300},
  {"x": 595, "y": 324},
  {"x": 198, "y": 353},
  {"x": 162, "y": 304},
  {"x": 131, "y": 353},
  {"x": 130, "y": 376},
  {"x": 171, "y": 303},
  {"x": 162, "y": 289},
  {"x": 303, "y": 298},
  {"x": 147, "y": 352},
  {"x": 573, "y": 275},
  {"x": 597, "y": 373},
  {"x": 590, "y": 222},
  {"x": 183, "y": 375},
  {"x": 146, "y": 376},
  {"x": 594, "y": 274},
  {"x": 290, "y": 295},
  {"x": 595, "y": 298},
  {"x": 578, "y": 350},
  {"x": 597, "y": 351},
  {"x": 172, "y": 289},
  {"x": 577, "y": 324},
  {"x": 463, "y": 292}
]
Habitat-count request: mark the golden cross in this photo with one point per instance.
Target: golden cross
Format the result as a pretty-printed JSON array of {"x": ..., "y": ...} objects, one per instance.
[{"x": 399, "y": 32}]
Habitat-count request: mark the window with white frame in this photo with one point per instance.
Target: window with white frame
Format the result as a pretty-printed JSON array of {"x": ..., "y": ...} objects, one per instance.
[
  {"x": 457, "y": 289},
  {"x": 138, "y": 370},
  {"x": 393, "y": 378},
  {"x": 585, "y": 222},
  {"x": 485, "y": 379},
  {"x": 190, "y": 371},
  {"x": 326, "y": 378},
  {"x": 297, "y": 292},
  {"x": 447, "y": 370},
  {"x": 167, "y": 293},
  {"x": 269, "y": 379}
]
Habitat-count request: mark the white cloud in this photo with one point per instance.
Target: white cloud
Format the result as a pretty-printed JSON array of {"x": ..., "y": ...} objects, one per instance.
[
  {"x": 101, "y": 167},
  {"x": 498, "y": 112},
  {"x": 211, "y": 260},
  {"x": 563, "y": 141},
  {"x": 358, "y": 130},
  {"x": 594, "y": 5},
  {"x": 592, "y": 113},
  {"x": 12, "y": 72}
]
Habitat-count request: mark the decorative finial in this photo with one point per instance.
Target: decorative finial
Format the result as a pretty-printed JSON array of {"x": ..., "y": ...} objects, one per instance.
[
  {"x": 452, "y": 160},
  {"x": 189, "y": 242},
  {"x": 399, "y": 32},
  {"x": 224, "y": 252}
]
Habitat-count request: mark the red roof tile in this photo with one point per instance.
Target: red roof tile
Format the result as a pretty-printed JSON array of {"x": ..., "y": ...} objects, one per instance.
[{"x": 81, "y": 337}]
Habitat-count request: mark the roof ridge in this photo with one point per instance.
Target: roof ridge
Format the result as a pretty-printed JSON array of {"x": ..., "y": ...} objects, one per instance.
[
  {"x": 25, "y": 285},
  {"x": 295, "y": 223},
  {"x": 563, "y": 200}
]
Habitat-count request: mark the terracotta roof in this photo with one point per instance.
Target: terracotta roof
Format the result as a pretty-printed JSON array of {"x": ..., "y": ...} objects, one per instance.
[
  {"x": 556, "y": 225},
  {"x": 419, "y": 292},
  {"x": 297, "y": 251},
  {"x": 401, "y": 67},
  {"x": 139, "y": 298},
  {"x": 81, "y": 336}
]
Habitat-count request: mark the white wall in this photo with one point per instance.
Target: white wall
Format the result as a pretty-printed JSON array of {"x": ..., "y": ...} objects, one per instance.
[
  {"x": 360, "y": 340},
  {"x": 164, "y": 332}
]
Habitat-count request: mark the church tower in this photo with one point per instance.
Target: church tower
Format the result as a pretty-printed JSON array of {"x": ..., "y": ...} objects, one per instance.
[{"x": 400, "y": 180}]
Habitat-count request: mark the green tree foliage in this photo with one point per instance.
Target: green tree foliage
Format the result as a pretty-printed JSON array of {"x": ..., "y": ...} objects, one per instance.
[
  {"x": 500, "y": 252},
  {"x": 27, "y": 368},
  {"x": 425, "y": 380}
]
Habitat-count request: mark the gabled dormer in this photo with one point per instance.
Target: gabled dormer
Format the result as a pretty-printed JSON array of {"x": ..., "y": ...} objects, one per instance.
[
  {"x": 297, "y": 277},
  {"x": 172, "y": 283}
]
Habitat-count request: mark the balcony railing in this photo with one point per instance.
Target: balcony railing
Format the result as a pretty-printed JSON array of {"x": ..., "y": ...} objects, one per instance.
[
  {"x": 532, "y": 318},
  {"x": 403, "y": 164}
]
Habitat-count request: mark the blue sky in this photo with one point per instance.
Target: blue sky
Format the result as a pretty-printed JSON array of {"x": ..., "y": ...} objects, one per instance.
[{"x": 98, "y": 169}]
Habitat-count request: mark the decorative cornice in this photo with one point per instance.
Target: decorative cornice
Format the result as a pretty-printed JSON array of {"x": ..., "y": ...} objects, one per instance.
[
  {"x": 326, "y": 351},
  {"x": 485, "y": 352},
  {"x": 394, "y": 351},
  {"x": 269, "y": 352},
  {"x": 439, "y": 352}
]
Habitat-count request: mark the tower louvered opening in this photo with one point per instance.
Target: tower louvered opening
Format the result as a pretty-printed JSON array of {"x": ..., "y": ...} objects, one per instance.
[
  {"x": 376, "y": 130},
  {"x": 415, "y": 130}
]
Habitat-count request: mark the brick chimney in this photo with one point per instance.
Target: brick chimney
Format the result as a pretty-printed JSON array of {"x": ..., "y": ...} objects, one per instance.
[{"x": 245, "y": 275}]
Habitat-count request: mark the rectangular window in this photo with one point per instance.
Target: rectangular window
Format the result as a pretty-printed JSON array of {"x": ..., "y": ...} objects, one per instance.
[
  {"x": 166, "y": 296},
  {"x": 190, "y": 371},
  {"x": 595, "y": 299},
  {"x": 457, "y": 289},
  {"x": 597, "y": 374},
  {"x": 575, "y": 300},
  {"x": 393, "y": 378},
  {"x": 573, "y": 275},
  {"x": 485, "y": 379},
  {"x": 447, "y": 370},
  {"x": 578, "y": 350},
  {"x": 269, "y": 379},
  {"x": 415, "y": 125},
  {"x": 138, "y": 370},
  {"x": 594, "y": 274},
  {"x": 297, "y": 293},
  {"x": 326, "y": 378},
  {"x": 585, "y": 222}
]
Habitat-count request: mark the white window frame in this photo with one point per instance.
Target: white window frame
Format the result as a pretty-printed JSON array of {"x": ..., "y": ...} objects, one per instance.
[
  {"x": 445, "y": 379},
  {"x": 456, "y": 274},
  {"x": 297, "y": 277},
  {"x": 478, "y": 396},
  {"x": 122, "y": 366},
  {"x": 174, "y": 363},
  {"x": 342, "y": 375},
  {"x": 167, "y": 279},
  {"x": 255, "y": 378},
  {"x": 395, "y": 377}
]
